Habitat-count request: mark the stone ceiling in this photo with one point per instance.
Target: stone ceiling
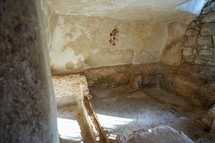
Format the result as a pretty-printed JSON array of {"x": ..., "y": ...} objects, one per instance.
[{"x": 138, "y": 10}]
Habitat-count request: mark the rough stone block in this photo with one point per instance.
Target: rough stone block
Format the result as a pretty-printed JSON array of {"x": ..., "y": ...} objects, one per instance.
[
  {"x": 191, "y": 41},
  {"x": 206, "y": 10},
  {"x": 194, "y": 26},
  {"x": 195, "y": 52},
  {"x": 211, "y": 63},
  {"x": 206, "y": 53},
  {"x": 189, "y": 59},
  {"x": 214, "y": 40},
  {"x": 208, "y": 29},
  {"x": 199, "y": 61},
  {"x": 191, "y": 32},
  {"x": 158, "y": 134},
  {"x": 209, "y": 18},
  {"x": 187, "y": 51},
  {"x": 204, "y": 40},
  {"x": 203, "y": 47},
  {"x": 209, "y": 117}
]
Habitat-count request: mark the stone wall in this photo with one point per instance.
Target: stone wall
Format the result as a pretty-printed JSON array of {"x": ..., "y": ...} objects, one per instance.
[
  {"x": 195, "y": 75},
  {"x": 27, "y": 103},
  {"x": 199, "y": 42},
  {"x": 190, "y": 81}
]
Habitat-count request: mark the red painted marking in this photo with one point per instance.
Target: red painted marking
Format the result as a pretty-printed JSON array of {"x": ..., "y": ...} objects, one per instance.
[{"x": 114, "y": 36}]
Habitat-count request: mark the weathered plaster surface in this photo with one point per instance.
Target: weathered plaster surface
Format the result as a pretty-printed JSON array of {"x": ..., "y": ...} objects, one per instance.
[
  {"x": 27, "y": 99},
  {"x": 171, "y": 54},
  {"x": 78, "y": 32},
  {"x": 80, "y": 42}
]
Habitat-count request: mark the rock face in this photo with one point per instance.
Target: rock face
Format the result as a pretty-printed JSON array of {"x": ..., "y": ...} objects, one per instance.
[
  {"x": 160, "y": 134},
  {"x": 206, "y": 53},
  {"x": 205, "y": 41},
  {"x": 208, "y": 29},
  {"x": 209, "y": 18},
  {"x": 27, "y": 107},
  {"x": 210, "y": 118},
  {"x": 187, "y": 51},
  {"x": 137, "y": 10},
  {"x": 191, "y": 41},
  {"x": 200, "y": 39}
]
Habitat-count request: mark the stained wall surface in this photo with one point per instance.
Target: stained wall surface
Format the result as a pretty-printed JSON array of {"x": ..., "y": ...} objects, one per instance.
[
  {"x": 80, "y": 34},
  {"x": 27, "y": 104},
  {"x": 80, "y": 43}
]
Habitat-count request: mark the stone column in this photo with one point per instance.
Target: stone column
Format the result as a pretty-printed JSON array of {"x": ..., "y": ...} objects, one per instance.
[{"x": 27, "y": 103}]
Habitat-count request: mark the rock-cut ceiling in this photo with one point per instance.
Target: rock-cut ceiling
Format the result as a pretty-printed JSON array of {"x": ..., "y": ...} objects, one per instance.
[{"x": 139, "y": 10}]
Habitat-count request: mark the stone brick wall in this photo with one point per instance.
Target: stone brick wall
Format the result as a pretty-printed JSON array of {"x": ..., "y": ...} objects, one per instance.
[
  {"x": 199, "y": 42},
  {"x": 195, "y": 76}
]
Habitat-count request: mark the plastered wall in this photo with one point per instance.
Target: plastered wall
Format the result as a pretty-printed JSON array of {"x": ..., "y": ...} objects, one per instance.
[
  {"x": 80, "y": 33},
  {"x": 77, "y": 43},
  {"x": 171, "y": 54}
]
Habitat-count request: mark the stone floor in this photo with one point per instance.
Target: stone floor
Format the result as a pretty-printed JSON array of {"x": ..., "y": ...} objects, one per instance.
[{"x": 121, "y": 111}]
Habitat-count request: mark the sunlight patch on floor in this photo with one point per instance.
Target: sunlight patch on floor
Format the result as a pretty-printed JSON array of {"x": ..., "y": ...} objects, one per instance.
[
  {"x": 69, "y": 129},
  {"x": 112, "y": 122}
]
